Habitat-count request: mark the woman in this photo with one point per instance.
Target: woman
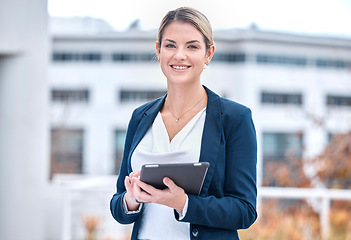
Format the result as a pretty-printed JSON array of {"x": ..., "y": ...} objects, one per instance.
[{"x": 190, "y": 124}]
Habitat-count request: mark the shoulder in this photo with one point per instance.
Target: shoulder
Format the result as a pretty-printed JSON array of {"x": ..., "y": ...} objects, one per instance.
[
  {"x": 233, "y": 109},
  {"x": 143, "y": 109},
  {"x": 233, "y": 115},
  {"x": 139, "y": 111},
  {"x": 237, "y": 123},
  {"x": 148, "y": 108},
  {"x": 236, "y": 117},
  {"x": 224, "y": 106}
]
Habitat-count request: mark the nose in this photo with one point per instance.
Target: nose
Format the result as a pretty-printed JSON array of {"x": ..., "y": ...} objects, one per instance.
[{"x": 180, "y": 54}]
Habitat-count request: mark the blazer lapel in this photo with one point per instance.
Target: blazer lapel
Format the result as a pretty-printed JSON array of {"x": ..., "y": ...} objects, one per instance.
[
  {"x": 211, "y": 137},
  {"x": 146, "y": 121}
]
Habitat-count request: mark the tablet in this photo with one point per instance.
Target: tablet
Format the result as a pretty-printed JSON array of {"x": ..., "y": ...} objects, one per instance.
[{"x": 189, "y": 176}]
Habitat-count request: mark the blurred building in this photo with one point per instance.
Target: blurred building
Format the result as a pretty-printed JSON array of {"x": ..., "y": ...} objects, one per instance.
[{"x": 298, "y": 87}]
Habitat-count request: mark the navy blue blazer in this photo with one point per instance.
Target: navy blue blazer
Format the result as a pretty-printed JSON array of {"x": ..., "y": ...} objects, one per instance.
[{"x": 227, "y": 201}]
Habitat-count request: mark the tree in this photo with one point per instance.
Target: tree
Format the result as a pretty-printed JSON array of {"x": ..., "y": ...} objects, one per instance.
[
  {"x": 297, "y": 219},
  {"x": 333, "y": 166}
]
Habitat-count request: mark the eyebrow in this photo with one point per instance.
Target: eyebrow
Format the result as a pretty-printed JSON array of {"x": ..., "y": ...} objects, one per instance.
[{"x": 189, "y": 42}]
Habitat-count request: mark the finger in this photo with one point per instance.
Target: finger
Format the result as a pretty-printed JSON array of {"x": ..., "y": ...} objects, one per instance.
[
  {"x": 169, "y": 183},
  {"x": 140, "y": 195},
  {"x": 144, "y": 186},
  {"x": 146, "y": 192},
  {"x": 132, "y": 174},
  {"x": 128, "y": 184},
  {"x": 129, "y": 196},
  {"x": 137, "y": 173}
]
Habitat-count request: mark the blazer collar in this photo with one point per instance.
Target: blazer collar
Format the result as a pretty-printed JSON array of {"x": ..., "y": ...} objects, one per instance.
[{"x": 146, "y": 121}]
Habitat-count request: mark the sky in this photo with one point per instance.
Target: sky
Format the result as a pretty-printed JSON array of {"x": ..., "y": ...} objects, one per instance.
[{"x": 331, "y": 17}]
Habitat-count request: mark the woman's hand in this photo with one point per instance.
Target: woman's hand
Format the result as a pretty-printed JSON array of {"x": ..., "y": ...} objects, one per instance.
[
  {"x": 131, "y": 201},
  {"x": 173, "y": 196}
]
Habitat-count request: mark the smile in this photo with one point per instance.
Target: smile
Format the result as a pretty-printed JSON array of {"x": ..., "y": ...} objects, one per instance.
[{"x": 180, "y": 67}]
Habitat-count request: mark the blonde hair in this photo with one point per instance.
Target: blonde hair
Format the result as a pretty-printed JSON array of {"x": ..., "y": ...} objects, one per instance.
[{"x": 189, "y": 15}]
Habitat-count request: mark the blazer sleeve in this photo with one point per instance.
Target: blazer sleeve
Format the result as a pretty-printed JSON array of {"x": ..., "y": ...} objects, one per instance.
[
  {"x": 116, "y": 203},
  {"x": 231, "y": 199}
]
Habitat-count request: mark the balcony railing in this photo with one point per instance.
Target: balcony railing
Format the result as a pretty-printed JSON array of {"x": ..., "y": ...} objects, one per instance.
[{"x": 77, "y": 189}]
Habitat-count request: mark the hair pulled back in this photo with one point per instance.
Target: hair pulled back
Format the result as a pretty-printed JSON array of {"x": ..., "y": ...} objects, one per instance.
[{"x": 189, "y": 15}]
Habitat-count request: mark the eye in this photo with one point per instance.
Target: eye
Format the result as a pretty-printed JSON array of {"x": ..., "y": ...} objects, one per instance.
[
  {"x": 170, "y": 45},
  {"x": 192, "y": 47}
]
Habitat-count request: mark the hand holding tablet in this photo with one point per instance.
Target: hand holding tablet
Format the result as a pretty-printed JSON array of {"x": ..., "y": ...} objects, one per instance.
[{"x": 189, "y": 176}]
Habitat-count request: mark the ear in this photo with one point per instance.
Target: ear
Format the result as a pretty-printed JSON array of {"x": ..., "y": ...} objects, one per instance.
[
  {"x": 209, "y": 54},
  {"x": 158, "y": 50}
]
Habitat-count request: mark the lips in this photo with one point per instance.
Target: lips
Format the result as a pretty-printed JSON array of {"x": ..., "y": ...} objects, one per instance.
[{"x": 180, "y": 67}]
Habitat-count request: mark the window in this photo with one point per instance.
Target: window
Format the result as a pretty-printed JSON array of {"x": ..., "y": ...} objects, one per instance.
[
  {"x": 91, "y": 57},
  {"x": 281, "y": 98},
  {"x": 70, "y": 96},
  {"x": 134, "y": 57},
  {"x": 229, "y": 57},
  {"x": 279, "y": 146},
  {"x": 98, "y": 57},
  {"x": 62, "y": 57},
  {"x": 338, "y": 101},
  {"x": 281, "y": 60},
  {"x": 139, "y": 95},
  {"x": 120, "y": 136},
  {"x": 332, "y": 63},
  {"x": 278, "y": 149},
  {"x": 66, "y": 151},
  {"x": 76, "y": 56}
]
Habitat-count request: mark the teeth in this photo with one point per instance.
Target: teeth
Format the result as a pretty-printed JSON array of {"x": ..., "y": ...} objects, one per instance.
[{"x": 179, "y": 67}]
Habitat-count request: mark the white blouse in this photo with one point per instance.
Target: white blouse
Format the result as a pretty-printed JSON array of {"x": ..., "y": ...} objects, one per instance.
[{"x": 158, "y": 221}]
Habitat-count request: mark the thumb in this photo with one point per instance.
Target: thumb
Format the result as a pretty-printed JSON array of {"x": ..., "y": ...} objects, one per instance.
[{"x": 169, "y": 183}]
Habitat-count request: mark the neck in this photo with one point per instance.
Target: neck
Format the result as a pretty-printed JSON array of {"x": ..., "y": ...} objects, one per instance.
[{"x": 183, "y": 98}]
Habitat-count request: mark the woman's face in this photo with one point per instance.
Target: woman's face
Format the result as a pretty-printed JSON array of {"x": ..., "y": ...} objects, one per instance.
[{"x": 183, "y": 53}]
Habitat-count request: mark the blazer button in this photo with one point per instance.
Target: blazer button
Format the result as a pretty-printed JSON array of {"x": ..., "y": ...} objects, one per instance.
[{"x": 195, "y": 232}]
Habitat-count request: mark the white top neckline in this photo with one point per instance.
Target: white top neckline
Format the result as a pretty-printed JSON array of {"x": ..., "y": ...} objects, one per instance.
[{"x": 177, "y": 140}]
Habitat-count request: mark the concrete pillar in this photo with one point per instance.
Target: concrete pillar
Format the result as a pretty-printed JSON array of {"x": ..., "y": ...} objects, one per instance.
[{"x": 24, "y": 51}]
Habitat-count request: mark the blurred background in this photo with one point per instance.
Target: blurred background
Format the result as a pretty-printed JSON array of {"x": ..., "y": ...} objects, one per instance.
[{"x": 72, "y": 71}]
